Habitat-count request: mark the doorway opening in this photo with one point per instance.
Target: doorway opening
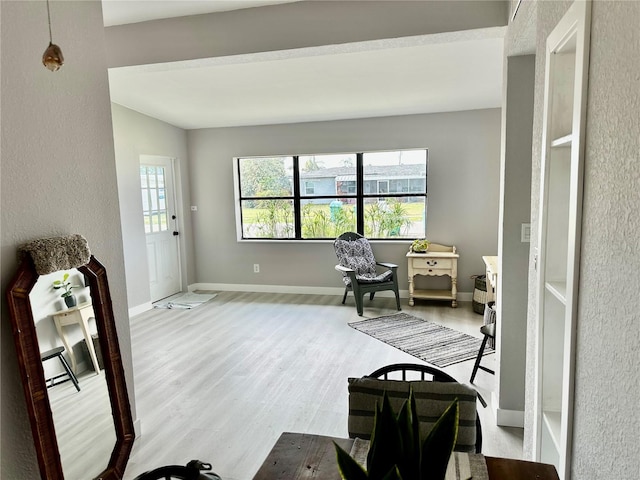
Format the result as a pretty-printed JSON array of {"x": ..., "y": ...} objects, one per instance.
[{"x": 160, "y": 225}]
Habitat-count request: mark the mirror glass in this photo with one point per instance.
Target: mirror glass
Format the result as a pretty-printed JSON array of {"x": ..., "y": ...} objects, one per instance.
[{"x": 64, "y": 317}]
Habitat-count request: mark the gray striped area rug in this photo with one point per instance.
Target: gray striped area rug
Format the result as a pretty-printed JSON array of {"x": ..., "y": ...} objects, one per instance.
[{"x": 428, "y": 341}]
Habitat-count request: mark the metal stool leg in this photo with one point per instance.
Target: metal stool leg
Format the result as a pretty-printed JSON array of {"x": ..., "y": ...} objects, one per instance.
[
  {"x": 477, "y": 365},
  {"x": 67, "y": 368}
]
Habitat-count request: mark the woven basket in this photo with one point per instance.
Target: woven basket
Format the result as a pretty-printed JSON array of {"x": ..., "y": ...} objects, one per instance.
[{"x": 479, "y": 294}]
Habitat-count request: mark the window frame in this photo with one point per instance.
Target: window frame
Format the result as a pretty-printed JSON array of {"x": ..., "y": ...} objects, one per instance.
[{"x": 297, "y": 197}]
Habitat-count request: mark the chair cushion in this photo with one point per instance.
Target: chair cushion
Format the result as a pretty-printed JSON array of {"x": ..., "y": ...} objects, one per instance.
[
  {"x": 383, "y": 277},
  {"x": 358, "y": 256},
  {"x": 432, "y": 398}
]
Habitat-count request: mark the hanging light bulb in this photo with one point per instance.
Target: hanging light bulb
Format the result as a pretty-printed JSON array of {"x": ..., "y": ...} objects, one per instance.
[{"x": 52, "y": 57}]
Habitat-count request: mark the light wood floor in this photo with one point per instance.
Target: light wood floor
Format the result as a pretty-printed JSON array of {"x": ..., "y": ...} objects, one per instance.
[
  {"x": 84, "y": 425},
  {"x": 220, "y": 382}
]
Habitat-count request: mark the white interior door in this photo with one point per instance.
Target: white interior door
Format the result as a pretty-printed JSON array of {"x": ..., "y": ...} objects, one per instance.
[{"x": 160, "y": 224}]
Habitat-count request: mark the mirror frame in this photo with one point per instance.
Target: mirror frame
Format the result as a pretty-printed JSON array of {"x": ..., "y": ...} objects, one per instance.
[{"x": 32, "y": 373}]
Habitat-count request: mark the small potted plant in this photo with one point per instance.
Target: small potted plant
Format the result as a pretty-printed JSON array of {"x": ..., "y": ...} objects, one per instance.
[
  {"x": 65, "y": 284},
  {"x": 397, "y": 451},
  {"x": 420, "y": 245}
]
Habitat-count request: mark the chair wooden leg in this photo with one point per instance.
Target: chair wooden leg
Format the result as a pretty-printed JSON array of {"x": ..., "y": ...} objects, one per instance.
[
  {"x": 344, "y": 298},
  {"x": 371, "y": 295}
]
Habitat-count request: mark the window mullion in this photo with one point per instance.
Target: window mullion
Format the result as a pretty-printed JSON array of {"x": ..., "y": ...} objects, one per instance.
[
  {"x": 296, "y": 198},
  {"x": 360, "y": 193}
]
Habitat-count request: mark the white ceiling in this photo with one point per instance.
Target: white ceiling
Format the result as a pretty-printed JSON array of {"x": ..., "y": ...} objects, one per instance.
[
  {"x": 120, "y": 12},
  {"x": 425, "y": 74}
]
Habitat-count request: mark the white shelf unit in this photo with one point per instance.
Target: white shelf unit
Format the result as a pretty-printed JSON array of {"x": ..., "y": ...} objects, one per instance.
[{"x": 559, "y": 234}]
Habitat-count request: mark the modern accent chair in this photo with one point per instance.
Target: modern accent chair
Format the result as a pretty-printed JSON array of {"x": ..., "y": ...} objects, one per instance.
[
  {"x": 433, "y": 389},
  {"x": 358, "y": 267}
]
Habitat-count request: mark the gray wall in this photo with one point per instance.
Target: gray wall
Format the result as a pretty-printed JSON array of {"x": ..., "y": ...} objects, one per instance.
[
  {"x": 58, "y": 175},
  {"x": 134, "y": 135},
  {"x": 607, "y": 388},
  {"x": 515, "y": 209},
  {"x": 464, "y": 156},
  {"x": 293, "y": 25}
]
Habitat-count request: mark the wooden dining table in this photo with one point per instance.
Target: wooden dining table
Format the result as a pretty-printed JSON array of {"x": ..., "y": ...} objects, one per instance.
[{"x": 298, "y": 456}]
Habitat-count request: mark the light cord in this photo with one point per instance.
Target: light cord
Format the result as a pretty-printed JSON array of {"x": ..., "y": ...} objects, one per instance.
[{"x": 49, "y": 18}]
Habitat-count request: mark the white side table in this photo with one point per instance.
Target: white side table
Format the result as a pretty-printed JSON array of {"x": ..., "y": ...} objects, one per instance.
[
  {"x": 439, "y": 260},
  {"x": 80, "y": 315},
  {"x": 491, "y": 265}
]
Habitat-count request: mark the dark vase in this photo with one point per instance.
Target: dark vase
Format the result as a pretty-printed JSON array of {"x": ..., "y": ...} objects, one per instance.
[{"x": 70, "y": 301}]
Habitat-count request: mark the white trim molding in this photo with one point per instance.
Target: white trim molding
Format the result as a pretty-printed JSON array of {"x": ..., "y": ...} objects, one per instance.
[
  {"x": 138, "y": 309},
  {"x": 504, "y": 417},
  {"x": 307, "y": 290}
]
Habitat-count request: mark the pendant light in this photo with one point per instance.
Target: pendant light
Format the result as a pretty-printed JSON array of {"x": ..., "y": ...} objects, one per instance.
[{"x": 52, "y": 57}]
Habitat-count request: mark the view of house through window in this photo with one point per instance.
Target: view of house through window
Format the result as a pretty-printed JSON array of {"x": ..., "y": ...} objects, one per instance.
[
  {"x": 380, "y": 195},
  {"x": 154, "y": 205}
]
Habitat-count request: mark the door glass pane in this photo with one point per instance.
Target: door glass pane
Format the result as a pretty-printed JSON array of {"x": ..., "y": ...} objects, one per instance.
[
  {"x": 163, "y": 221},
  {"x": 143, "y": 177},
  {"x": 145, "y": 200},
  {"x": 147, "y": 223},
  {"x": 154, "y": 202}
]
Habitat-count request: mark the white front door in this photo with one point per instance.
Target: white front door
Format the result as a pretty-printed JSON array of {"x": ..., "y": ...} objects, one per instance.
[{"x": 160, "y": 224}]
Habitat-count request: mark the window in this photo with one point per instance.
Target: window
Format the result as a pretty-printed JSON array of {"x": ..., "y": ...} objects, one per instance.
[
  {"x": 154, "y": 205},
  {"x": 382, "y": 195},
  {"x": 309, "y": 188}
]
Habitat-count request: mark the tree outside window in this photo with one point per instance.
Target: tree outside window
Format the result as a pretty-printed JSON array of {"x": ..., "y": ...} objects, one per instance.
[{"x": 381, "y": 195}]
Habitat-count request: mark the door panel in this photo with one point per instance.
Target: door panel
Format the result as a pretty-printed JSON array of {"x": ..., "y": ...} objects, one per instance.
[{"x": 158, "y": 205}]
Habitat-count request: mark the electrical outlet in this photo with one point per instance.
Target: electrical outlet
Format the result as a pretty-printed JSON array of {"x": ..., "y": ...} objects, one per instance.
[
  {"x": 256, "y": 268},
  {"x": 194, "y": 208},
  {"x": 525, "y": 233}
]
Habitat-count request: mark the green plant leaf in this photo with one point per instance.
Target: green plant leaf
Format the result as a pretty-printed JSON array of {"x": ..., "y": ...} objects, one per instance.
[
  {"x": 386, "y": 444},
  {"x": 409, "y": 427},
  {"x": 393, "y": 474},
  {"x": 66, "y": 275},
  {"x": 439, "y": 444},
  {"x": 349, "y": 469}
]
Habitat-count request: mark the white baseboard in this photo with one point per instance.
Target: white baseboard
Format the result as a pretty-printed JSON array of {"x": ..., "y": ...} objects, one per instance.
[
  {"x": 237, "y": 287},
  {"x": 240, "y": 287},
  {"x": 506, "y": 418},
  {"x": 137, "y": 310},
  {"x": 137, "y": 428}
]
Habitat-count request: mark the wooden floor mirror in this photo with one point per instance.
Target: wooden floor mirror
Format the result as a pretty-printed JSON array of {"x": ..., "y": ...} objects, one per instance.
[{"x": 35, "y": 386}]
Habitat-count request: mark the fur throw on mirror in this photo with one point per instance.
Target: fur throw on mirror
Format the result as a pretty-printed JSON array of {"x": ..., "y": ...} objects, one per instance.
[{"x": 57, "y": 253}]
